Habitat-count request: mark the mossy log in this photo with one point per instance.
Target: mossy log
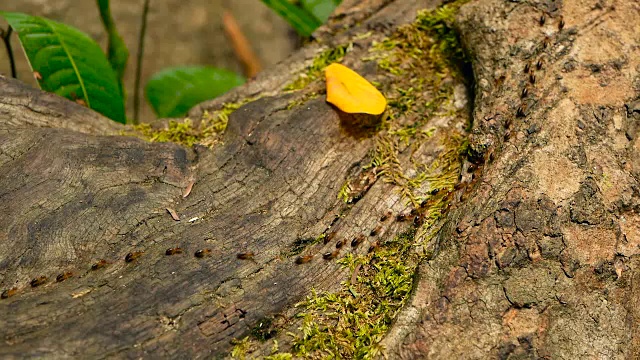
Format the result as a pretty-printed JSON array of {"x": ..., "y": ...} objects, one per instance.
[{"x": 491, "y": 213}]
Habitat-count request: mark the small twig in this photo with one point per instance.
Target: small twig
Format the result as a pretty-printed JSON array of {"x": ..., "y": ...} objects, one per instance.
[
  {"x": 136, "y": 89},
  {"x": 240, "y": 44},
  {"x": 6, "y": 38}
]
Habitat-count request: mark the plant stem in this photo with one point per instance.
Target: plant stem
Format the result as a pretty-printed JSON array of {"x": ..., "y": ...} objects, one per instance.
[
  {"x": 6, "y": 37},
  {"x": 136, "y": 89},
  {"x": 240, "y": 44}
]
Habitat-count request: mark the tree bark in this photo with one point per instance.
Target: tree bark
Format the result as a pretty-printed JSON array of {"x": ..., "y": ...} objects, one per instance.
[{"x": 535, "y": 258}]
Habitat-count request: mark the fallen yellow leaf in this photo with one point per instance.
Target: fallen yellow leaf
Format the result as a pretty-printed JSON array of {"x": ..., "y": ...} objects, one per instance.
[{"x": 352, "y": 93}]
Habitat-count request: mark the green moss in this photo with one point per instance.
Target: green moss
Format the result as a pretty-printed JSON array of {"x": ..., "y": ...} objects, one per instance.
[
  {"x": 301, "y": 100},
  {"x": 240, "y": 348},
  {"x": 419, "y": 56},
  {"x": 319, "y": 63},
  {"x": 406, "y": 133},
  {"x": 351, "y": 322},
  {"x": 313, "y": 72},
  {"x": 178, "y": 132},
  {"x": 275, "y": 355},
  {"x": 344, "y": 193},
  {"x": 208, "y": 132},
  {"x": 264, "y": 330},
  {"x": 439, "y": 24},
  {"x": 214, "y": 124},
  {"x": 283, "y": 356}
]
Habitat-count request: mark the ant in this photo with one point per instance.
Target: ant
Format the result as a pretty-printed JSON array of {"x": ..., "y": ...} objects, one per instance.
[
  {"x": 331, "y": 255},
  {"x": 357, "y": 241},
  {"x": 384, "y": 217},
  {"x": 99, "y": 265},
  {"x": 375, "y": 231},
  {"x": 245, "y": 256},
  {"x": 561, "y": 24},
  {"x": 173, "y": 251},
  {"x": 38, "y": 281},
  {"x": 304, "y": 259},
  {"x": 329, "y": 236},
  {"x": 202, "y": 253},
  {"x": 8, "y": 293},
  {"x": 64, "y": 276},
  {"x": 133, "y": 256}
]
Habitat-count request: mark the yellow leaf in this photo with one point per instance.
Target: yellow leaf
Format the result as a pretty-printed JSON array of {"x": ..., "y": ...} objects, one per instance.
[{"x": 352, "y": 93}]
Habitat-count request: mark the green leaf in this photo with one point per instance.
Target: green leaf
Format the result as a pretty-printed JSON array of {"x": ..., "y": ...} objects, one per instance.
[
  {"x": 301, "y": 20},
  {"x": 117, "y": 51},
  {"x": 69, "y": 63},
  {"x": 321, "y": 9},
  {"x": 172, "y": 92}
]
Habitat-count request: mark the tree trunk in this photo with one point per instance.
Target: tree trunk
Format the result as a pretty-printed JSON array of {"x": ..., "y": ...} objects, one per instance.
[{"x": 490, "y": 218}]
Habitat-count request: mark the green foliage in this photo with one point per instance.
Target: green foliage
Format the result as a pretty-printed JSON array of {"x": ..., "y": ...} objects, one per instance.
[
  {"x": 69, "y": 63},
  {"x": 300, "y": 19},
  {"x": 117, "y": 52},
  {"x": 321, "y": 9},
  {"x": 172, "y": 92}
]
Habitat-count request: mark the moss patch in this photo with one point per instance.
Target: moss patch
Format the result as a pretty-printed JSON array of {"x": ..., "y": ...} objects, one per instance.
[
  {"x": 240, "y": 348},
  {"x": 350, "y": 324},
  {"x": 208, "y": 132},
  {"x": 421, "y": 58},
  {"x": 302, "y": 99},
  {"x": 264, "y": 330},
  {"x": 181, "y": 132},
  {"x": 319, "y": 63}
]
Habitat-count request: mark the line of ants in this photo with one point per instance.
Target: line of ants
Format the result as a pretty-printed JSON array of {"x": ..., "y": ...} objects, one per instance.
[
  {"x": 414, "y": 215},
  {"x": 522, "y": 108},
  {"x": 100, "y": 264}
]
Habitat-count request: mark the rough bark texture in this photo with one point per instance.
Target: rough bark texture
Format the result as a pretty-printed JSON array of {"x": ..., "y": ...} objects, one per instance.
[
  {"x": 536, "y": 259},
  {"x": 542, "y": 260}
]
